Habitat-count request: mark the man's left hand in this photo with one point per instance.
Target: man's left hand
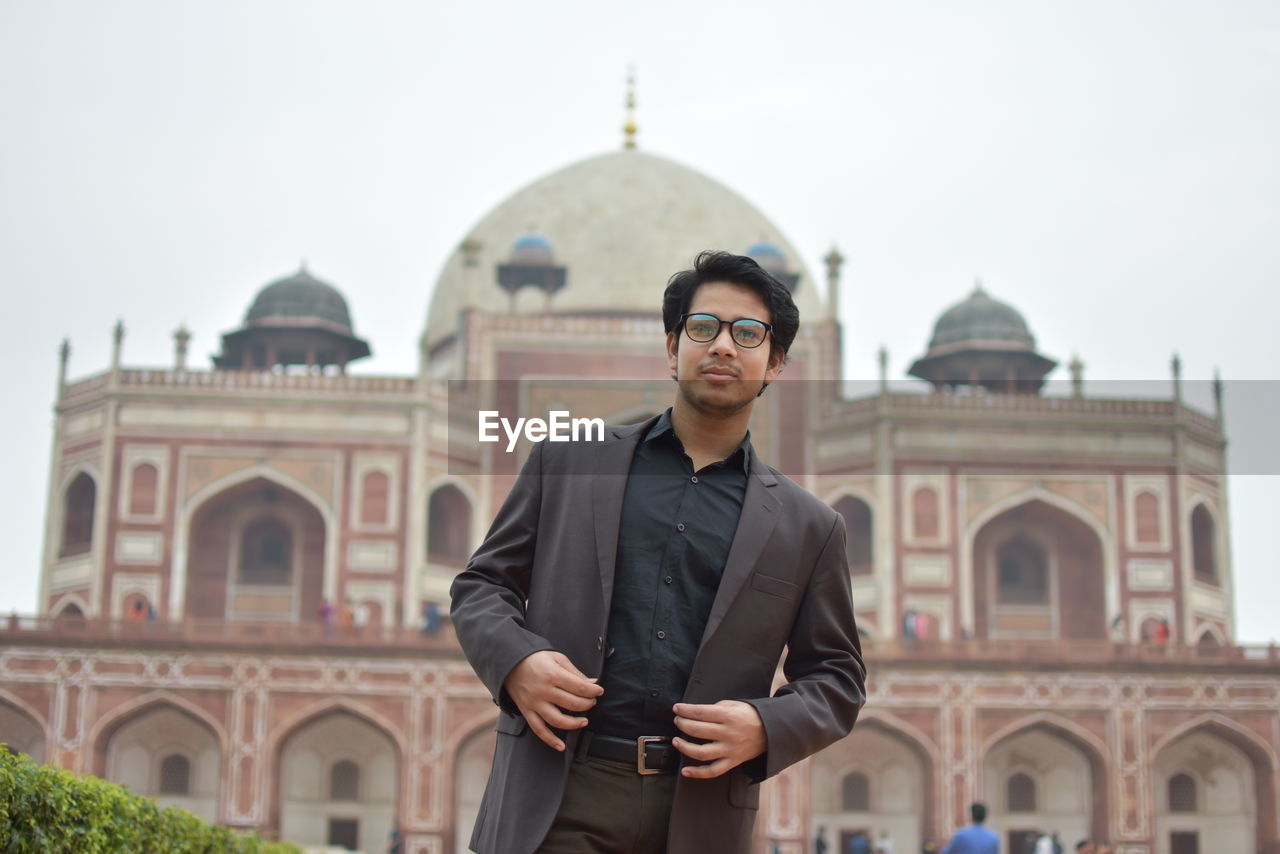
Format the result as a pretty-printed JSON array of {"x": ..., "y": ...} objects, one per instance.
[{"x": 732, "y": 729}]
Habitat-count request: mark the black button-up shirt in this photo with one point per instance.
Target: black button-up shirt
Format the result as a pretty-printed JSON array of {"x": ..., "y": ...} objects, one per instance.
[{"x": 673, "y": 541}]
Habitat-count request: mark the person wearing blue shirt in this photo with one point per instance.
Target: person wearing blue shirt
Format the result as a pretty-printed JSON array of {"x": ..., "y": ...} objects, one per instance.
[{"x": 974, "y": 839}]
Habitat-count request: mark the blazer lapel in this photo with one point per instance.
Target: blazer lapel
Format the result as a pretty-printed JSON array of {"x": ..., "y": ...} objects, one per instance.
[
  {"x": 760, "y": 511},
  {"x": 608, "y": 485}
]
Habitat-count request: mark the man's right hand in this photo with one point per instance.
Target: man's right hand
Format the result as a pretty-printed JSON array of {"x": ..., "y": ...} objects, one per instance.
[{"x": 544, "y": 686}]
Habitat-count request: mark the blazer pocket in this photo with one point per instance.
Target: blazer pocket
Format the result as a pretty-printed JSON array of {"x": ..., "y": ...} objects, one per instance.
[
  {"x": 774, "y": 586},
  {"x": 742, "y": 793},
  {"x": 511, "y": 724}
]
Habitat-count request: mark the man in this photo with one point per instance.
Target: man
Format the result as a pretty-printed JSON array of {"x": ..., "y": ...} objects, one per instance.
[
  {"x": 1085, "y": 846},
  {"x": 974, "y": 839},
  {"x": 631, "y": 601}
]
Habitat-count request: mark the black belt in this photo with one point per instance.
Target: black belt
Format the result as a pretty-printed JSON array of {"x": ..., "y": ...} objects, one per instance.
[{"x": 651, "y": 754}]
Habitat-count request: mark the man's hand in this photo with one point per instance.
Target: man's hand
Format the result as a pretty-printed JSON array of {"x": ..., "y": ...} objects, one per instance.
[
  {"x": 545, "y": 684},
  {"x": 733, "y": 731}
]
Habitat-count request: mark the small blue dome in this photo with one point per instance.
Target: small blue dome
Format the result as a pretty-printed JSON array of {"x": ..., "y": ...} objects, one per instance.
[
  {"x": 768, "y": 256},
  {"x": 532, "y": 248}
]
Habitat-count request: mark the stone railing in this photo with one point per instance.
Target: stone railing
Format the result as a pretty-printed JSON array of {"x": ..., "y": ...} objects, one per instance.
[
  {"x": 901, "y": 403},
  {"x": 194, "y": 633},
  {"x": 1036, "y": 653},
  {"x": 241, "y": 382}
]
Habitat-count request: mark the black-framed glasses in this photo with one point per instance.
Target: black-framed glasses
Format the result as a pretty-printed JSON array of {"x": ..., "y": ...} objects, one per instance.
[{"x": 745, "y": 332}]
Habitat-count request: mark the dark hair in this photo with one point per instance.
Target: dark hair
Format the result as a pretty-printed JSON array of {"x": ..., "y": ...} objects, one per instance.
[
  {"x": 979, "y": 812},
  {"x": 716, "y": 266}
]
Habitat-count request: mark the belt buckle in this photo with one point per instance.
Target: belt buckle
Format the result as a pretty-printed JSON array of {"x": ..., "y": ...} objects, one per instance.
[{"x": 641, "y": 767}]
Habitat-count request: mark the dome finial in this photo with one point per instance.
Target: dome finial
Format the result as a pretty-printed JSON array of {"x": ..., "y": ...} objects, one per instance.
[
  {"x": 977, "y": 285},
  {"x": 629, "y": 127}
]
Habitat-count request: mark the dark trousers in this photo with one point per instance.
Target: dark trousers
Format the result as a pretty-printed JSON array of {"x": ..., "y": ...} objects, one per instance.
[{"x": 610, "y": 809}]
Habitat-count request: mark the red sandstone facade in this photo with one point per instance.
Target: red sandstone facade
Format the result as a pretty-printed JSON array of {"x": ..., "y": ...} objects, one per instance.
[{"x": 1044, "y": 582}]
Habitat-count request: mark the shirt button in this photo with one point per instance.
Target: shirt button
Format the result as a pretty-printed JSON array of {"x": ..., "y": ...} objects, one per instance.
[
  {"x": 662, "y": 635},
  {"x": 653, "y": 693},
  {"x": 694, "y": 478},
  {"x": 680, "y": 527},
  {"x": 668, "y": 579}
]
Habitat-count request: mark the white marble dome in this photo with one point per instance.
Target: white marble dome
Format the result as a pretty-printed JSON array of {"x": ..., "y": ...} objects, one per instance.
[{"x": 621, "y": 224}]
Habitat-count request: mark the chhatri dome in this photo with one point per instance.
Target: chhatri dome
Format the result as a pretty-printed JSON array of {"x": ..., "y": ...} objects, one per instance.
[
  {"x": 982, "y": 341},
  {"x": 621, "y": 224}
]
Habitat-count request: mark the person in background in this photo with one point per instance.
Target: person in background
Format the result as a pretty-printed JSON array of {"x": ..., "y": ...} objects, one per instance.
[
  {"x": 974, "y": 839},
  {"x": 1084, "y": 846},
  {"x": 859, "y": 844},
  {"x": 884, "y": 844},
  {"x": 820, "y": 841}
]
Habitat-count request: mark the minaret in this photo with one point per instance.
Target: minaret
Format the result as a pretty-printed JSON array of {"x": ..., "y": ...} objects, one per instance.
[
  {"x": 64, "y": 355},
  {"x": 1077, "y": 376},
  {"x": 1217, "y": 396},
  {"x": 1176, "y": 366},
  {"x": 629, "y": 128},
  {"x": 181, "y": 338},
  {"x": 834, "y": 260},
  {"x": 883, "y": 357},
  {"x": 117, "y": 344}
]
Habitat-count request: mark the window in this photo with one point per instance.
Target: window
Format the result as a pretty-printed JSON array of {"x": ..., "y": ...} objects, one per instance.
[
  {"x": 1182, "y": 793},
  {"x": 449, "y": 527},
  {"x": 175, "y": 775},
  {"x": 1203, "y": 546},
  {"x": 344, "y": 781},
  {"x": 924, "y": 512},
  {"x": 857, "y": 523},
  {"x": 77, "y": 517},
  {"x": 374, "y": 498},
  {"x": 1184, "y": 842},
  {"x": 1020, "y": 793},
  {"x": 855, "y": 793},
  {"x": 1146, "y": 518},
  {"x": 142, "y": 490},
  {"x": 266, "y": 553},
  {"x": 1022, "y": 574}
]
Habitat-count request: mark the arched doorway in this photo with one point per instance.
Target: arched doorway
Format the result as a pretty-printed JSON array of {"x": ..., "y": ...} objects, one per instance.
[
  {"x": 1043, "y": 779},
  {"x": 875, "y": 779},
  {"x": 21, "y": 732},
  {"x": 859, "y": 542},
  {"x": 339, "y": 784},
  {"x": 1038, "y": 573},
  {"x": 1208, "y": 786},
  {"x": 257, "y": 553},
  {"x": 163, "y": 752},
  {"x": 471, "y": 773}
]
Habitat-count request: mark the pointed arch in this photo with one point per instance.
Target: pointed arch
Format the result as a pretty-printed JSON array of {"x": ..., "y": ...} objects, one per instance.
[
  {"x": 8, "y": 698},
  {"x": 1090, "y": 746},
  {"x": 68, "y": 600},
  {"x": 314, "y": 713},
  {"x": 971, "y": 530},
  {"x": 1256, "y": 749},
  {"x": 109, "y": 724},
  {"x": 189, "y": 508}
]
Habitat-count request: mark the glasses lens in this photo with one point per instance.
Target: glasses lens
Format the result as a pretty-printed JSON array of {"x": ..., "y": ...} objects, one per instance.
[
  {"x": 702, "y": 327},
  {"x": 748, "y": 333}
]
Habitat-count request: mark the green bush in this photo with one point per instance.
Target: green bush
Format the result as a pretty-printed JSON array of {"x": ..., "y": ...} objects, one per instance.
[{"x": 44, "y": 809}]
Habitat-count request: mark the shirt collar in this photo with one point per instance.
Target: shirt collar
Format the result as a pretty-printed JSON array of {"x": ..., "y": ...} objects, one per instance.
[{"x": 662, "y": 427}]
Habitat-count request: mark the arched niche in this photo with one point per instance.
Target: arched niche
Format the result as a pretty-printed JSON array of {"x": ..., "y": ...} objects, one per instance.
[
  {"x": 859, "y": 533},
  {"x": 79, "y": 501},
  {"x": 448, "y": 527},
  {"x": 898, "y": 795},
  {"x": 1044, "y": 778},
  {"x": 144, "y": 750},
  {"x": 1214, "y": 789},
  {"x": 257, "y": 552},
  {"x": 1204, "y": 545},
  {"x": 20, "y": 731},
  {"x": 471, "y": 773},
  {"x": 1038, "y": 573},
  {"x": 339, "y": 782}
]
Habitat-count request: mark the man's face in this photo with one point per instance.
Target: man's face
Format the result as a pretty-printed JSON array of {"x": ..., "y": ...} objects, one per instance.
[{"x": 720, "y": 377}]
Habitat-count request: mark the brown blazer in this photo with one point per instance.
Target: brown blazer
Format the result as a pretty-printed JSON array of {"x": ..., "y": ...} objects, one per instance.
[{"x": 553, "y": 545}]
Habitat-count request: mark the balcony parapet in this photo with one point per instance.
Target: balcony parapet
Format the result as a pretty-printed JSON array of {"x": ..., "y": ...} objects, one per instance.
[
  {"x": 1049, "y": 655},
  {"x": 262, "y": 383},
  {"x": 195, "y": 634},
  {"x": 986, "y": 405}
]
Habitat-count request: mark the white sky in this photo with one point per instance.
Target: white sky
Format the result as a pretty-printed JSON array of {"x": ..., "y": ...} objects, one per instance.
[{"x": 1111, "y": 169}]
